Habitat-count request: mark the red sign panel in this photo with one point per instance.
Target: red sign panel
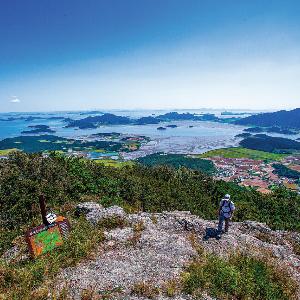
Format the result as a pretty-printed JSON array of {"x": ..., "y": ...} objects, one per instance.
[{"x": 45, "y": 238}]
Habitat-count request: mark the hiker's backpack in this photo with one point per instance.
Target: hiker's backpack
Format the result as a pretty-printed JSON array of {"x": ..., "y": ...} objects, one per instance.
[{"x": 229, "y": 203}]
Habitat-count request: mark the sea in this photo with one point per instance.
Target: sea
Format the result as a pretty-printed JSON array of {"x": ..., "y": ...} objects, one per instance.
[{"x": 189, "y": 137}]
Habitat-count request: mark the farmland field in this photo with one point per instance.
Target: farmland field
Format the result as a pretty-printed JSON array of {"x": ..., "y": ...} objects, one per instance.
[
  {"x": 7, "y": 151},
  {"x": 240, "y": 152},
  {"x": 114, "y": 163}
]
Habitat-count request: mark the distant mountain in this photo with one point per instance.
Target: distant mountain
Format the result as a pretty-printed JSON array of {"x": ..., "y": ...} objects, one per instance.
[
  {"x": 230, "y": 113},
  {"x": 273, "y": 129},
  {"x": 93, "y": 122},
  {"x": 270, "y": 144},
  {"x": 277, "y": 129},
  {"x": 243, "y": 135},
  {"x": 147, "y": 120},
  {"x": 284, "y": 119},
  {"x": 254, "y": 129},
  {"x": 92, "y": 112},
  {"x": 175, "y": 116}
]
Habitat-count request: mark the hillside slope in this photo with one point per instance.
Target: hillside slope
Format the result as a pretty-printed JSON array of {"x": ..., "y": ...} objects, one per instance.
[
  {"x": 282, "y": 118},
  {"x": 133, "y": 248},
  {"x": 267, "y": 143},
  {"x": 65, "y": 182}
]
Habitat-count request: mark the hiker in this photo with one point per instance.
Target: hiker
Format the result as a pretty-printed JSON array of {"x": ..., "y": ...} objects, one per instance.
[{"x": 226, "y": 210}]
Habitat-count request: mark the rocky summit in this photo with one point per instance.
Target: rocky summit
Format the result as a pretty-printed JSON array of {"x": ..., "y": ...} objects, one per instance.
[{"x": 148, "y": 252}]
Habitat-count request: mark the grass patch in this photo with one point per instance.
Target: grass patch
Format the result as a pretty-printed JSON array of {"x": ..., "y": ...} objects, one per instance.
[
  {"x": 7, "y": 151},
  {"x": 112, "y": 223},
  {"x": 240, "y": 152},
  {"x": 239, "y": 277},
  {"x": 32, "y": 279},
  {"x": 114, "y": 163}
]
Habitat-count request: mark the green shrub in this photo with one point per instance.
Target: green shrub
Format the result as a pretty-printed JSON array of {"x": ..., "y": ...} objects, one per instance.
[
  {"x": 239, "y": 277},
  {"x": 67, "y": 181}
]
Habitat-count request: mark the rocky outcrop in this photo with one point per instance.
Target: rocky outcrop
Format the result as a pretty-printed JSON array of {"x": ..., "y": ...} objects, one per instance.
[
  {"x": 153, "y": 248},
  {"x": 95, "y": 212}
]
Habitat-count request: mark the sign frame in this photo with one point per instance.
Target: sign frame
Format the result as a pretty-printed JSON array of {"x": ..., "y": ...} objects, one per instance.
[{"x": 61, "y": 227}]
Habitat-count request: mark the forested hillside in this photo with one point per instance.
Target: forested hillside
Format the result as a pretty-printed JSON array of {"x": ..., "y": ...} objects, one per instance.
[
  {"x": 267, "y": 143},
  {"x": 282, "y": 118},
  {"x": 178, "y": 160},
  {"x": 23, "y": 177},
  {"x": 284, "y": 171}
]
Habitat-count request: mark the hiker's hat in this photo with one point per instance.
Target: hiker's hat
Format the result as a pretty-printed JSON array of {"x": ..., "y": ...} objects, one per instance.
[{"x": 227, "y": 196}]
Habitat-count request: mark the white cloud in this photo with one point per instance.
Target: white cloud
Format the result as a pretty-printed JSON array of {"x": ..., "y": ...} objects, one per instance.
[{"x": 15, "y": 100}]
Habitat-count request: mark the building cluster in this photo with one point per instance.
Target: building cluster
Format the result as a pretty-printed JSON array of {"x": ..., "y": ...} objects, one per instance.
[{"x": 251, "y": 173}]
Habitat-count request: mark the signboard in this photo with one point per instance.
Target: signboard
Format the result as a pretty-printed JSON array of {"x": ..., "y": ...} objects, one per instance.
[
  {"x": 49, "y": 235},
  {"x": 45, "y": 238}
]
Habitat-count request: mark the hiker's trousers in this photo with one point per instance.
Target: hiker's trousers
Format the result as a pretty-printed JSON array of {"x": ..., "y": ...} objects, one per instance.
[{"x": 222, "y": 219}]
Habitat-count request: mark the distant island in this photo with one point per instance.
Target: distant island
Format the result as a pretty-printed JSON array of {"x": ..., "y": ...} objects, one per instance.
[
  {"x": 38, "y": 129},
  {"x": 273, "y": 129},
  {"x": 175, "y": 116},
  {"x": 33, "y": 118},
  {"x": 147, "y": 120},
  {"x": 95, "y": 119},
  {"x": 93, "y": 122},
  {"x": 230, "y": 113},
  {"x": 92, "y": 112},
  {"x": 282, "y": 119}
]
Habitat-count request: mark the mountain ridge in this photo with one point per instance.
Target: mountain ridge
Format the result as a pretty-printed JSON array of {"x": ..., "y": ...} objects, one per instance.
[{"x": 283, "y": 118}]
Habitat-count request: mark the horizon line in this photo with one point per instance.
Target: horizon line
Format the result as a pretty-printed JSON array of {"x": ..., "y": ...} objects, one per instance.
[{"x": 149, "y": 109}]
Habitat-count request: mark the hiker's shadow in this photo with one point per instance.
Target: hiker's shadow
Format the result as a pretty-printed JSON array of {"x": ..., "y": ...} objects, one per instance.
[{"x": 210, "y": 233}]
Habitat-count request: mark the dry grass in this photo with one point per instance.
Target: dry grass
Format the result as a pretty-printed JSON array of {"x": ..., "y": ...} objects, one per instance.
[
  {"x": 145, "y": 289},
  {"x": 137, "y": 233},
  {"x": 173, "y": 287},
  {"x": 269, "y": 238}
]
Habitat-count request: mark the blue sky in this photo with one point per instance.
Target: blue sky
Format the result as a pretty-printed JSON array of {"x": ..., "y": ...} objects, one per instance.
[{"x": 63, "y": 55}]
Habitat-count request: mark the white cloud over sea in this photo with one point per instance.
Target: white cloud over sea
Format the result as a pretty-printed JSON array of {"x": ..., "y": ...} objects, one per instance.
[{"x": 15, "y": 99}]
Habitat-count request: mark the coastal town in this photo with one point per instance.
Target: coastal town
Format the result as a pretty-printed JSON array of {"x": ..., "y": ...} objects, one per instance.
[{"x": 258, "y": 174}]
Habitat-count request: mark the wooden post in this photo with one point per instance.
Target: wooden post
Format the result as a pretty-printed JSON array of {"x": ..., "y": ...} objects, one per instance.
[{"x": 43, "y": 209}]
